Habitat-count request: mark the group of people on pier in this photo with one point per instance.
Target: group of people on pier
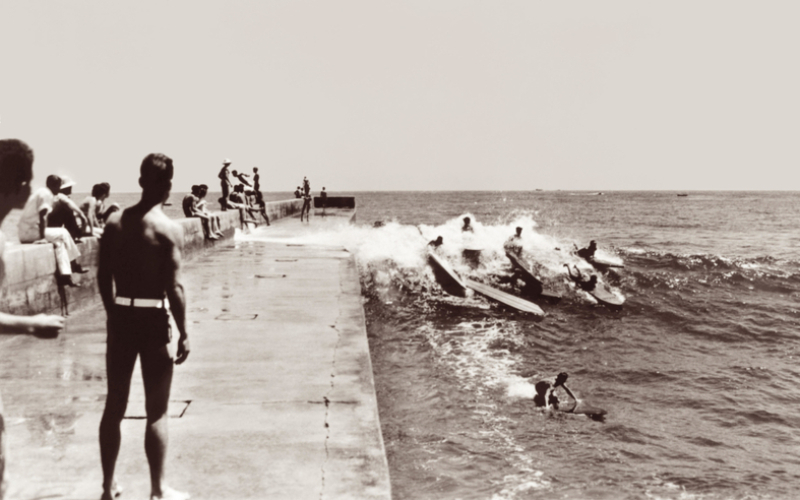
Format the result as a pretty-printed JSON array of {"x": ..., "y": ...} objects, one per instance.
[
  {"x": 138, "y": 279},
  {"x": 139, "y": 282}
]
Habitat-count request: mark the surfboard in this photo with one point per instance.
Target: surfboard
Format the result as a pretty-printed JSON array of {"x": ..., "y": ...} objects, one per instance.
[
  {"x": 602, "y": 264},
  {"x": 529, "y": 278},
  {"x": 445, "y": 276},
  {"x": 606, "y": 298},
  {"x": 584, "y": 408},
  {"x": 505, "y": 298}
]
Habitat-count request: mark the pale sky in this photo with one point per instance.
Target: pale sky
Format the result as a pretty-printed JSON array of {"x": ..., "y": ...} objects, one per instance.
[{"x": 409, "y": 95}]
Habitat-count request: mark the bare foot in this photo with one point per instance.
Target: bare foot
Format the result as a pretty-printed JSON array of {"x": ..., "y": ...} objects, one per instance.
[
  {"x": 168, "y": 493},
  {"x": 114, "y": 492}
]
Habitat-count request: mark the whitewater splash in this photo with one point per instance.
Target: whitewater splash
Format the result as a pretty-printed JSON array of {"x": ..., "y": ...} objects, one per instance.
[{"x": 395, "y": 251}]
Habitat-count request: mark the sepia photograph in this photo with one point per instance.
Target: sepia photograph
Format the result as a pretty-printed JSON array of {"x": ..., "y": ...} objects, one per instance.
[{"x": 399, "y": 250}]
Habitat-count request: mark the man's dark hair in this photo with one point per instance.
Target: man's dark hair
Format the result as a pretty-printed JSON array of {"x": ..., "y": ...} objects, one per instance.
[
  {"x": 203, "y": 186},
  {"x": 102, "y": 189},
  {"x": 156, "y": 169},
  {"x": 195, "y": 189},
  {"x": 53, "y": 183},
  {"x": 16, "y": 165}
]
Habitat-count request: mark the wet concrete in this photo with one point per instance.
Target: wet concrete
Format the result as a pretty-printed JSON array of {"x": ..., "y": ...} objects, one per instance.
[{"x": 276, "y": 399}]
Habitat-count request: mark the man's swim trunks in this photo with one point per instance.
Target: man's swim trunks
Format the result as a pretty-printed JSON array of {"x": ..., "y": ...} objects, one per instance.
[{"x": 139, "y": 328}]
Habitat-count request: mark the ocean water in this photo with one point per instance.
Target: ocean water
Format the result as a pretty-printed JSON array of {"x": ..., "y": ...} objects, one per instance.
[{"x": 698, "y": 371}]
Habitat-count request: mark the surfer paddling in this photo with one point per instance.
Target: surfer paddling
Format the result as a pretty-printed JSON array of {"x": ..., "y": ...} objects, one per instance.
[
  {"x": 588, "y": 252},
  {"x": 140, "y": 253}
]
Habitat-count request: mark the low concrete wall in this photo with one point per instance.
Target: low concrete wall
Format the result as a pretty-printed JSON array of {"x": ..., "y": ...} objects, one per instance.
[
  {"x": 336, "y": 202},
  {"x": 27, "y": 272}
]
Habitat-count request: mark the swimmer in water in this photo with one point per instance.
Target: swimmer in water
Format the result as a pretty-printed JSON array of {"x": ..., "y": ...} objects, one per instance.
[
  {"x": 467, "y": 227},
  {"x": 545, "y": 393},
  {"x": 585, "y": 285}
]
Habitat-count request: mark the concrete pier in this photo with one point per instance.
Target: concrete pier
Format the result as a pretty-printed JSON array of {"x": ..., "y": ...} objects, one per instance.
[{"x": 276, "y": 399}]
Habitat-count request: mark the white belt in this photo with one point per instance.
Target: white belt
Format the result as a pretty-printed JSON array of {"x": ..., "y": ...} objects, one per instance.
[{"x": 156, "y": 303}]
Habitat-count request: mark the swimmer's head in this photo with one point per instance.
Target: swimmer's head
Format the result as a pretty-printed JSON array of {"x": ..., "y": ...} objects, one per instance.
[
  {"x": 466, "y": 220},
  {"x": 519, "y": 231},
  {"x": 155, "y": 174},
  {"x": 592, "y": 244},
  {"x": 202, "y": 190},
  {"x": 16, "y": 173},
  {"x": 439, "y": 240},
  {"x": 593, "y": 280}
]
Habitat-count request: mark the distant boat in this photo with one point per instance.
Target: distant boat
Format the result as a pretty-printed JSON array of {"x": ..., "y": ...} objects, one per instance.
[{"x": 682, "y": 194}]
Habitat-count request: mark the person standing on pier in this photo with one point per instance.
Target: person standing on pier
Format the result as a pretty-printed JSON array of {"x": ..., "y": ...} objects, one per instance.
[
  {"x": 225, "y": 183},
  {"x": 306, "y": 207},
  {"x": 16, "y": 173},
  {"x": 140, "y": 253}
]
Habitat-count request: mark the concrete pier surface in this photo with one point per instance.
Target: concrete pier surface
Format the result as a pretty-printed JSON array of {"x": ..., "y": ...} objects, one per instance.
[{"x": 276, "y": 399}]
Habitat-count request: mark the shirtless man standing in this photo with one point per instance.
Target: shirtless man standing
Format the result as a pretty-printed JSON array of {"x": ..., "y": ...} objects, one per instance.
[{"x": 140, "y": 253}]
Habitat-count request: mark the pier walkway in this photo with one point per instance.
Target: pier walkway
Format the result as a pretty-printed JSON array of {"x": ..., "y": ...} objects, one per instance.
[{"x": 276, "y": 399}]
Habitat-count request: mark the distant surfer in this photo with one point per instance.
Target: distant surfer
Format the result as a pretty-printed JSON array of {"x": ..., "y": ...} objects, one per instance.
[
  {"x": 587, "y": 285},
  {"x": 514, "y": 243},
  {"x": 545, "y": 393},
  {"x": 588, "y": 253},
  {"x": 436, "y": 243},
  {"x": 467, "y": 227}
]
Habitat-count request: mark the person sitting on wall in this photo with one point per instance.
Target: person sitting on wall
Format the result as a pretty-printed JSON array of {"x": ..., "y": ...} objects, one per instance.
[
  {"x": 297, "y": 193},
  {"x": 94, "y": 208},
  {"x": 213, "y": 220},
  {"x": 238, "y": 201},
  {"x": 33, "y": 228},
  {"x": 190, "y": 210},
  {"x": 65, "y": 213},
  {"x": 16, "y": 173}
]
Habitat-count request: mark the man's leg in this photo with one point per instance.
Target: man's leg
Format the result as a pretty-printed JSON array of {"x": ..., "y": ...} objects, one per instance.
[
  {"x": 3, "y": 452},
  {"x": 62, "y": 216},
  {"x": 120, "y": 360},
  {"x": 157, "y": 368},
  {"x": 62, "y": 241}
]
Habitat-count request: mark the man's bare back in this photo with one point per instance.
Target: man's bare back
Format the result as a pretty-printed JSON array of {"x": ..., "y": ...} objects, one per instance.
[{"x": 140, "y": 253}]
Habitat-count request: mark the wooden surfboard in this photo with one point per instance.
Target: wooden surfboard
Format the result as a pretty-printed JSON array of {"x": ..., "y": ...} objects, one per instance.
[
  {"x": 531, "y": 279},
  {"x": 606, "y": 298},
  {"x": 445, "y": 276},
  {"x": 505, "y": 298},
  {"x": 602, "y": 264}
]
